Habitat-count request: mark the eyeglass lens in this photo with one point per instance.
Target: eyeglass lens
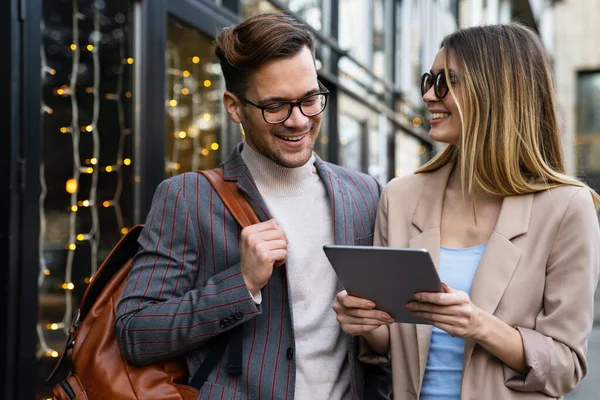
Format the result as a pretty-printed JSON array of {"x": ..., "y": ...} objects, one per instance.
[
  {"x": 440, "y": 86},
  {"x": 309, "y": 106}
]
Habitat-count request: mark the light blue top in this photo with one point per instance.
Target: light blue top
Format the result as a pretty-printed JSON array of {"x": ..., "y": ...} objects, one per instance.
[{"x": 443, "y": 371}]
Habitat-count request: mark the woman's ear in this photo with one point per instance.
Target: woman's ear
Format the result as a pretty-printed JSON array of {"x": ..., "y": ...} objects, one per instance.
[{"x": 233, "y": 107}]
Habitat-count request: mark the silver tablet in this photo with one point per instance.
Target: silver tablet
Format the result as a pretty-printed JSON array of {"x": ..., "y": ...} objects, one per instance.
[{"x": 387, "y": 276}]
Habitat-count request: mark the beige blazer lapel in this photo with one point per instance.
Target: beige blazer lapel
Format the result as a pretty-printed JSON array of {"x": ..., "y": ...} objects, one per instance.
[
  {"x": 500, "y": 258},
  {"x": 427, "y": 219}
]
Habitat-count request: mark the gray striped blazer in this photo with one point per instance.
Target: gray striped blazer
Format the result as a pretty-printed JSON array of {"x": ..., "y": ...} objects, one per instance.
[{"x": 186, "y": 279}]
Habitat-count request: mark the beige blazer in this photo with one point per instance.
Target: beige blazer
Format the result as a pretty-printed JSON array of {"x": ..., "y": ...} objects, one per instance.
[{"x": 538, "y": 273}]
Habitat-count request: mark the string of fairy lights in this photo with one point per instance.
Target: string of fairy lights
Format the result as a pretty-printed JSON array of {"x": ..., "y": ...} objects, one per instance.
[
  {"x": 185, "y": 85},
  {"x": 82, "y": 164}
]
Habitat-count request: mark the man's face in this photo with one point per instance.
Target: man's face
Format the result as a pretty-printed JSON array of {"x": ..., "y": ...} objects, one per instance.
[{"x": 290, "y": 143}]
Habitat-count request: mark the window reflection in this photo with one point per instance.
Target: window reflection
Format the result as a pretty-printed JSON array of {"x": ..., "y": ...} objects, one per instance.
[
  {"x": 588, "y": 121},
  {"x": 309, "y": 11},
  {"x": 86, "y": 169},
  {"x": 194, "y": 138}
]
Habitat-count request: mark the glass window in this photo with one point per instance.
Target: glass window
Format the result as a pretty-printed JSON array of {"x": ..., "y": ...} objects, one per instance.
[
  {"x": 372, "y": 144},
  {"x": 409, "y": 154},
  {"x": 86, "y": 170},
  {"x": 588, "y": 121},
  {"x": 352, "y": 136},
  {"x": 310, "y": 11},
  {"x": 194, "y": 107}
]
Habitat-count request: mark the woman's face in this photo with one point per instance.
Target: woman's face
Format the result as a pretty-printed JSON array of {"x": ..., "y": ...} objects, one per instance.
[{"x": 446, "y": 125}]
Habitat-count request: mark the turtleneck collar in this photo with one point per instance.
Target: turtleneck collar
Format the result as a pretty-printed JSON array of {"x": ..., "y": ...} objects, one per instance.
[{"x": 273, "y": 179}]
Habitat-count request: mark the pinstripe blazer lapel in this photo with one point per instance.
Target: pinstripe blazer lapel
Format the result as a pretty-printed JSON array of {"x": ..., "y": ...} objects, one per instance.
[
  {"x": 235, "y": 170},
  {"x": 341, "y": 204}
]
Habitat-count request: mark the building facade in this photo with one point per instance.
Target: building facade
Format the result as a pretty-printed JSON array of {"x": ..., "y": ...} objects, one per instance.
[
  {"x": 107, "y": 98},
  {"x": 577, "y": 71}
]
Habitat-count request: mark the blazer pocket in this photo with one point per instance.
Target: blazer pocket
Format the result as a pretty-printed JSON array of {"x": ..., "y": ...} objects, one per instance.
[
  {"x": 364, "y": 241},
  {"x": 211, "y": 391}
]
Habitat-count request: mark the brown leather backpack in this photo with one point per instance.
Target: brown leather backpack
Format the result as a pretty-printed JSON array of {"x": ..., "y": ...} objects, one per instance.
[{"x": 99, "y": 370}]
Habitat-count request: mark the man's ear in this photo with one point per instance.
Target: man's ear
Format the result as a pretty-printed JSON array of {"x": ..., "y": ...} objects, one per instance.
[{"x": 233, "y": 107}]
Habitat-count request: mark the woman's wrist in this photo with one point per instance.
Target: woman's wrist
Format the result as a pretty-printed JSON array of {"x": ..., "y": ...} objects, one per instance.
[{"x": 378, "y": 339}]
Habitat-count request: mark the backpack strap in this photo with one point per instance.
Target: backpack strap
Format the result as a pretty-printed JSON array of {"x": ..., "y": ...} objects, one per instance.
[{"x": 244, "y": 214}]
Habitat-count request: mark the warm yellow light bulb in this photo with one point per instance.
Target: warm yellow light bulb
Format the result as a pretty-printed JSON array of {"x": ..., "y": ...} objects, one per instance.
[
  {"x": 186, "y": 73},
  {"x": 124, "y": 231},
  {"x": 73, "y": 47},
  {"x": 89, "y": 170},
  {"x": 185, "y": 91},
  {"x": 128, "y": 95},
  {"x": 176, "y": 166},
  {"x": 74, "y": 208},
  {"x": 214, "y": 146},
  {"x": 182, "y": 134},
  {"x": 130, "y": 60},
  {"x": 80, "y": 237},
  {"x": 72, "y": 246},
  {"x": 94, "y": 161},
  {"x": 47, "y": 272},
  {"x": 52, "y": 72},
  {"x": 106, "y": 203},
  {"x": 207, "y": 83},
  {"x": 207, "y": 117},
  {"x": 204, "y": 152},
  {"x": 109, "y": 168},
  {"x": 127, "y": 161},
  {"x": 86, "y": 203},
  {"x": 71, "y": 186},
  {"x": 90, "y": 47},
  {"x": 89, "y": 128},
  {"x": 173, "y": 103},
  {"x": 53, "y": 326},
  {"x": 195, "y": 59}
]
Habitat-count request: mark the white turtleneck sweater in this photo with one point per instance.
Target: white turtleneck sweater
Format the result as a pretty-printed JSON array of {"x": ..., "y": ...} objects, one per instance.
[{"x": 297, "y": 199}]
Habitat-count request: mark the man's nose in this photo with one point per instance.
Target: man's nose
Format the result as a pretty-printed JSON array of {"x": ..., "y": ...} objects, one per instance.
[{"x": 296, "y": 119}]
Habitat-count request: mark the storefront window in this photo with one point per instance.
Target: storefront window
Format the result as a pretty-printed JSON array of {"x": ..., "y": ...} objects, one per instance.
[
  {"x": 310, "y": 11},
  {"x": 409, "y": 154},
  {"x": 194, "y": 107},
  {"x": 86, "y": 171},
  {"x": 352, "y": 136},
  {"x": 588, "y": 121}
]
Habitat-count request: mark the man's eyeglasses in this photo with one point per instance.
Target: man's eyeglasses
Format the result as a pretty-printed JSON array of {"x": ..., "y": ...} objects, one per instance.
[
  {"x": 438, "y": 81},
  {"x": 279, "y": 111}
]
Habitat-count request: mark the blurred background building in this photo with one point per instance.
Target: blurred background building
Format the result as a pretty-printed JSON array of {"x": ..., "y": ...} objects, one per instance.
[{"x": 106, "y": 98}]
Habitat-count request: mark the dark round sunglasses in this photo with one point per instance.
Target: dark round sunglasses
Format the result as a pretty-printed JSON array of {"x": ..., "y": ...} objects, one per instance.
[{"x": 438, "y": 81}]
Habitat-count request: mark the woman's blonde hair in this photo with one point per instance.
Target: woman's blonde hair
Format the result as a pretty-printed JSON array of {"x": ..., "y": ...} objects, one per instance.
[{"x": 510, "y": 142}]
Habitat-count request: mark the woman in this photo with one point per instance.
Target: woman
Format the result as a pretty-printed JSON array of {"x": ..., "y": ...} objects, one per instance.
[{"x": 515, "y": 240}]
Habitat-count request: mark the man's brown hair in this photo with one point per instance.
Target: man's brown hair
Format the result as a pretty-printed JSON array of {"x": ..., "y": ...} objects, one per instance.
[{"x": 243, "y": 48}]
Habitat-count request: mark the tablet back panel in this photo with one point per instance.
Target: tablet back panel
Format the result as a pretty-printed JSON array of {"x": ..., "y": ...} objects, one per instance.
[{"x": 387, "y": 276}]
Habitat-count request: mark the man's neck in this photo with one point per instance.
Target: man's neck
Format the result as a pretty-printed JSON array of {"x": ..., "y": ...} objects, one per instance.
[{"x": 272, "y": 178}]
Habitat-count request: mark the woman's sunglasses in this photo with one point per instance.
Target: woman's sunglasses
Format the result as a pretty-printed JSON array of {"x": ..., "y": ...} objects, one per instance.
[{"x": 440, "y": 86}]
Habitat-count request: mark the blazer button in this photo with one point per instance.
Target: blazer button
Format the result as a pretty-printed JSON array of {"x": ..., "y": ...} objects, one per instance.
[
  {"x": 239, "y": 315},
  {"x": 223, "y": 324},
  {"x": 290, "y": 353}
]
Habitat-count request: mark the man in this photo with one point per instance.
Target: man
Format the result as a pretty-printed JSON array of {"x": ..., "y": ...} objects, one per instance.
[{"x": 197, "y": 278}]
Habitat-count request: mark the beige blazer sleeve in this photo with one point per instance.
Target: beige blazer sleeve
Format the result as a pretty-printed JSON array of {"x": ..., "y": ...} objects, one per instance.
[{"x": 555, "y": 351}]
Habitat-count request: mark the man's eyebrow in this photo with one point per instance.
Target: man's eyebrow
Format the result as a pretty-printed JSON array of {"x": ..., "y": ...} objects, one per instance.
[{"x": 274, "y": 99}]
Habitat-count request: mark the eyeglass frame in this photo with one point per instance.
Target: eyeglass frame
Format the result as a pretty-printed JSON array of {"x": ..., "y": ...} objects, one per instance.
[
  {"x": 298, "y": 103},
  {"x": 436, "y": 84}
]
